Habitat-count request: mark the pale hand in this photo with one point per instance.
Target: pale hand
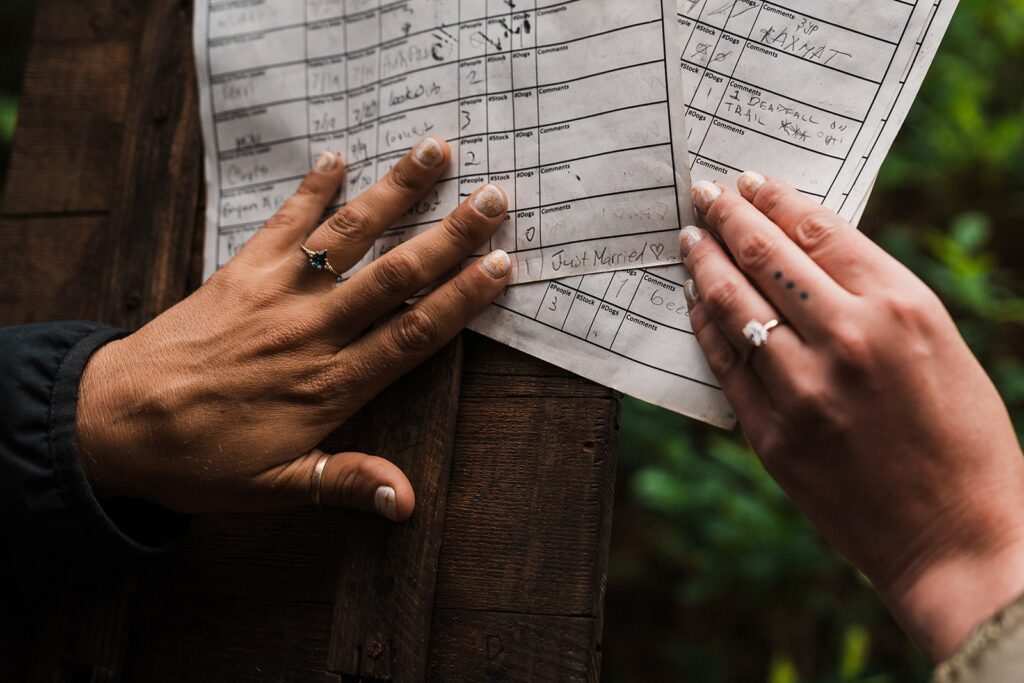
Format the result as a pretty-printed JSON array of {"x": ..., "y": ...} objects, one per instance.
[{"x": 866, "y": 404}]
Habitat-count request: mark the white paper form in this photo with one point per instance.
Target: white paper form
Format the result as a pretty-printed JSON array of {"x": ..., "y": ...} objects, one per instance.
[
  {"x": 749, "y": 126},
  {"x": 568, "y": 105},
  {"x": 811, "y": 91}
]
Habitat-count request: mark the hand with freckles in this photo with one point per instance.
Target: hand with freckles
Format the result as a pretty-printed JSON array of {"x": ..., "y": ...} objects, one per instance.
[
  {"x": 865, "y": 403},
  {"x": 219, "y": 403}
]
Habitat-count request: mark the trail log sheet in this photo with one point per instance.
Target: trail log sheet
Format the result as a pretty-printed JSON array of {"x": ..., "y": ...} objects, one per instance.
[
  {"x": 809, "y": 91},
  {"x": 568, "y": 106}
]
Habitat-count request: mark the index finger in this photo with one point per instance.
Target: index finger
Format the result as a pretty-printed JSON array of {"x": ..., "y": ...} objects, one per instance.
[
  {"x": 842, "y": 251},
  {"x": 348, "y": 234},
  {"x": 299, "y": 213},
  {"x": 789, "y": 278}
]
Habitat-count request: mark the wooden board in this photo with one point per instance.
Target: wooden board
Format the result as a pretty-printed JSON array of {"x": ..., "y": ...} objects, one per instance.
[
  {"x": 73, "y": 106},
  {"x": 501, "y": 576},
  {"x": 385, "y": 595},
  {"x": 513, "y": 647}
]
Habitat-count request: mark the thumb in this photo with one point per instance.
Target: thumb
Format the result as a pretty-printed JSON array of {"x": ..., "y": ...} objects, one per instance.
[{"x": 362, "y": 482}]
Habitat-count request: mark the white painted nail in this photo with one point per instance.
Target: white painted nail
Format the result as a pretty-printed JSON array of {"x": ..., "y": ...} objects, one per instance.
[
  {"x": 691, "y": 293},
  {"x": 496, "y": 264},
  {"x": 429, "y": 152},
  {"x": 704, "y": 194},
  {"x": 325, "y": 162},
  {"x": 749, "y": 183},
  {"x": 490, "y": 201},
  {"x": 384, "y": 503},
  {"x": 688, "y": 239}
]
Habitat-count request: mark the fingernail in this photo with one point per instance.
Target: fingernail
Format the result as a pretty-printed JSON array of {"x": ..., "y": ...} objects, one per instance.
[
  {"x": 749, "y": 183},
  {"x": 704, "y": 194},
  {"x": 325, "y": 162},
  {"x": 429, "y": 152},
  {"x": 384, "y": 503},
  {"x": 490, "y": 201},
  {"x": 496, "y": 264},
  {"x": 691, "y": 293},
  {"x": 688, "y": 239}
]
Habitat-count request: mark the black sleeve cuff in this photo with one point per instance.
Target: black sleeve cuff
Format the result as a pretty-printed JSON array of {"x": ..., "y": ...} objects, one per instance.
[{"x": 49, "y": 515}]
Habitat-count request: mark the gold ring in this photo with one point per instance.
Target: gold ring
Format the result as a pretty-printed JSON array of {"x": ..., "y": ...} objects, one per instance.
[{"x": 316, "y": 483}]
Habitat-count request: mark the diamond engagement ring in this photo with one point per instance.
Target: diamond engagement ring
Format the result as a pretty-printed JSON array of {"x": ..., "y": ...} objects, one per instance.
[
  {"x": 757, "y": 333},
  {"x": 318, "y": 260}
]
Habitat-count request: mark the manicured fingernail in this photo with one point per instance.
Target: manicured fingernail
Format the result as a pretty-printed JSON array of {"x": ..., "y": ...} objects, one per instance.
[
  {"x": 384, "y": 503},
  {"x": 688, "y": 239},
  {"x": 429, "y": 152},
  {"x": 496, "y": 264},
  {"x": 490, "y": 201},
  {"x": 325, "y": 162},
  {"x": 749, "y": 183},
  {"x": 704, "y": 194},
  {"x": 691, "y": 293}
]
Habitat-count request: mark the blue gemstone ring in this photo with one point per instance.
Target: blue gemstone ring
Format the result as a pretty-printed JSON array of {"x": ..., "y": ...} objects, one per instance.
[{"x": 318, "y": 260}]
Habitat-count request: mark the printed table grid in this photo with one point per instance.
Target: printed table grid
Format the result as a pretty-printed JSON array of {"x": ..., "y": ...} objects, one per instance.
[
  {"x": 640, "y": 276},
  {"x": 717, "y": 117},
  {"x": 398, "y": 154}
]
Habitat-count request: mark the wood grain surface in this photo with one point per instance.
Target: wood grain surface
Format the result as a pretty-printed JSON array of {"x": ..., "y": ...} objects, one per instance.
[{"x": 501, "y": 574}]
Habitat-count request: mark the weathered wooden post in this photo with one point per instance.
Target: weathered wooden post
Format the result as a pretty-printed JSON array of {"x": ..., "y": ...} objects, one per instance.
[{"x": 501, "y": 573}]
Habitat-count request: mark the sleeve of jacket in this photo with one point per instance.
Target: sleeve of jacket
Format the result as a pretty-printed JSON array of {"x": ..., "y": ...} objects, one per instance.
[
  {"x": 51, "y": 524},
  {"x": 992, "y": 653}
]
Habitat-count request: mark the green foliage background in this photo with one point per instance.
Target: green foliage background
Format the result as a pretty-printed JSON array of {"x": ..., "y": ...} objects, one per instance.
[{"x": 714, "y": 575}]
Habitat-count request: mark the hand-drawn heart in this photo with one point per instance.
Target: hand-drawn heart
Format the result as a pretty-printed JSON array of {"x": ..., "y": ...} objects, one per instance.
[{"x": 657, "y": 250}]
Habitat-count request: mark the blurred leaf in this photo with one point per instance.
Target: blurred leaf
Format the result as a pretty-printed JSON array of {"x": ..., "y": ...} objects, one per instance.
[
  {"x": 854, "y": 658},
  {"x": 783, "y": 671},
  {"x": 971, "y": 231},
  {"x": 8, "y": 117}
]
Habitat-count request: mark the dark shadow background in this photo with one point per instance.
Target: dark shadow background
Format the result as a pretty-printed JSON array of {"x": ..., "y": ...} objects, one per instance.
[
  {"x": 714, "y": 576},
  {"x": 15, "y": 34}
]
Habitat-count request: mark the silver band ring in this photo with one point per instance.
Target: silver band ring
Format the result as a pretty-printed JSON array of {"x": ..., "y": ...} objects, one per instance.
[
  {"x": 317, "y": 481},
  {"x": 318, "y": 260},
  {"x": 757, "y": 333}
]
